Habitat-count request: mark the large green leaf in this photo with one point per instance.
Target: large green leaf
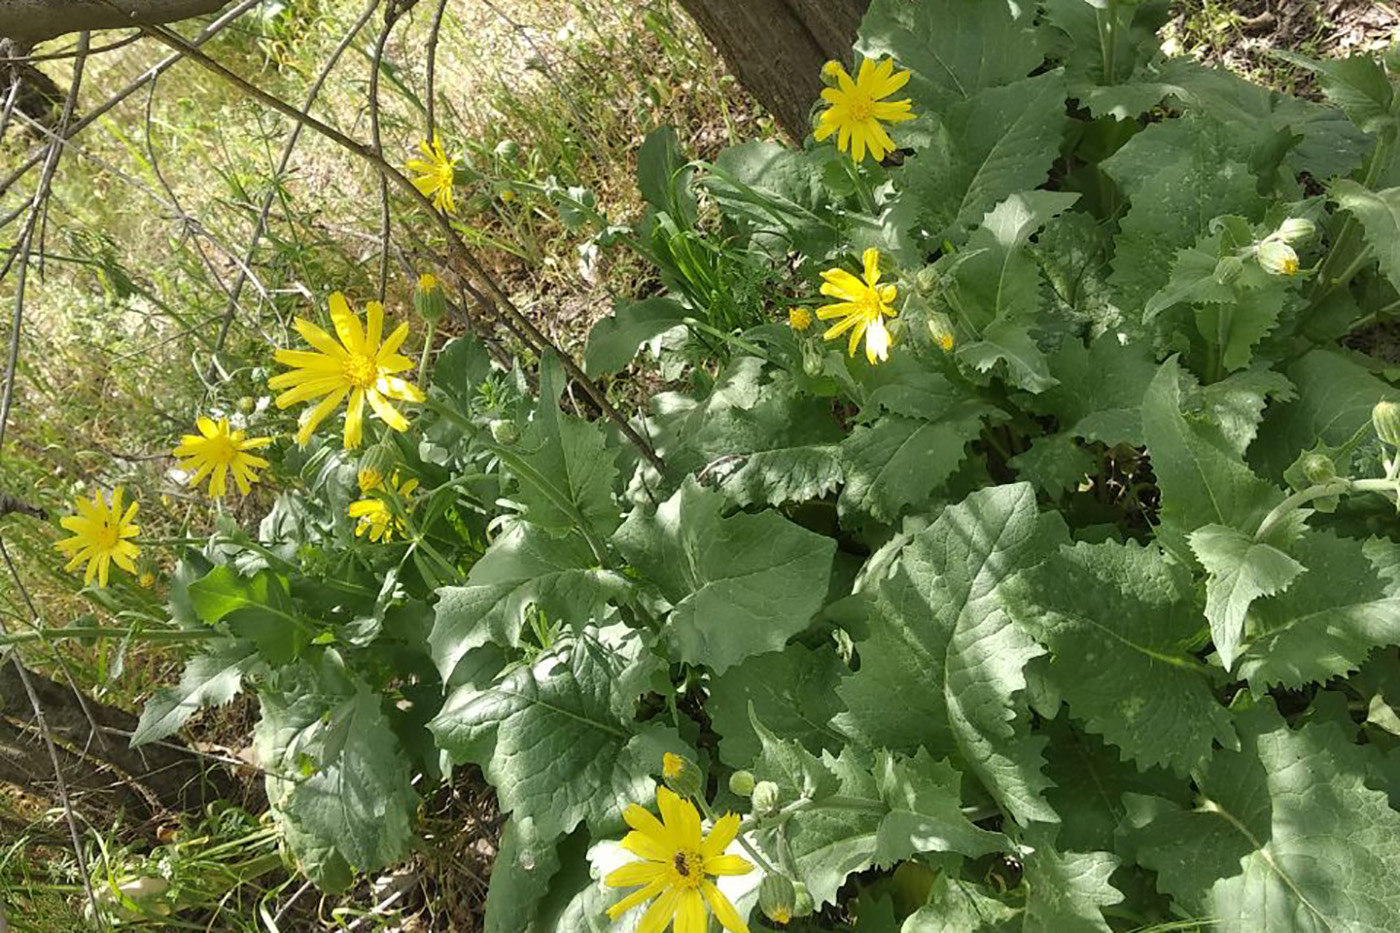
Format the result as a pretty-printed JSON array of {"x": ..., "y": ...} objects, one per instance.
[
  {"x": 1379, "y": 213},
  {"x": 523, "y": 568},
  {"x": 858, "y": 817},
  {"x": 1001, "y": 141},
  {"x": 1358, "y": 85},
  {"x": 1066, "y": 890},
  {"x": 1331, "y": 619},
  {"x": 557, "y": 739},
  {"x": 1285, "y": 836},
  {"x": 1203, "y": 480},
  {"x": 740, "y": 585},
  {"x": 957, "y": 906},
  {"x": 1119, "y": 620},
  {"x": 210, "y": 679},
  {"x": 563, "y": 465},
  {"x": 1099, "y": 396},
  {"x": 336, "y": 773},
  {"x": 899, "y": 462},
  {"x": 1241, "y": 570},
  {"x": 953, "y": 48},
  {"x": 943, "y": 663},
  {"x": 792, "y": 691},
  {"x": 257, "y": 608},
  {"x": 615, "y": 339}
]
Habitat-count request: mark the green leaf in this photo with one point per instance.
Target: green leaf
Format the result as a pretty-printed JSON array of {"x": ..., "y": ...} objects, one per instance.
[
  {"x": 1238, "y": 328},
  {"x": 1180, "y": 175},
  {"x": 858, "y": 818},
  {"x": 1335, "y": 398},
  {"x": 1379, "y": 214},
  {"x": 1286, "y": 837},
  {"x": 554, "y": 740},
  {"x": 257, "y": 608},
  {"x": 1236, "y": 403},
  {"x": 777, "y": 194},
  {"x": 1203, "y": 481},
  {"x": 953, "y": 48},
  {"x": 1003, "y": 341},
  {"x": 567, "y": 476},
  {"x": 957, "y": 906},
  {"x": 1054, "y": 463},
  {"x": 1090, "y": 779},
  {"x": 943, "y": 663},
  {"x": 460, "y": 368},
  {"x": 520, "y": 878},
  {"x": 1194, "y": 279},
  {"x": 740, "y": 586},
  {"x": 1241, "y": 570},
  {"x": 1067, "y": 890},
  {"x": 663, "y": 175},
  {"x": 897, "y": 463},
  {"x": 615, "y": 340},
  {"x": 1358, "y": 85},
  {"x": 210, "y": 679},
  {"x": 523, "y": 568},
  {"x": 1101, "y": 388},
  {"x": 983, "y": 150},
  {"x": 1328, "y": 622},
  {"x": 1118, "y": 620},
  {"x": 793, "y": 691},
  {"x": 356, "y": 796}
]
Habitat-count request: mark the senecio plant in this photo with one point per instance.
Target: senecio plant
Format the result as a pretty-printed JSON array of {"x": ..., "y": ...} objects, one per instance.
[{"x": 1069, "y": 604}]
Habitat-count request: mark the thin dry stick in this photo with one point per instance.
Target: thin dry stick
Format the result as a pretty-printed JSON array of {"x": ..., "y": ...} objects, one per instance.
[
  {"x": 149, "y": 75},
  {"x": 391, "y": 16},
  {"x": 432, "y": 65},
  {"x": 499, "y": 304},
  {"x": 260, "y": 227}
]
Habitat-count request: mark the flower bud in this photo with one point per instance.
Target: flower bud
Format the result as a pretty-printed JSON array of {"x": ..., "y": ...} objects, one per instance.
[
  {"x": 741, "y": 783},
  {"x": 1385, "y": 418},
  {"x": 682, "y": 775},
  {"x": 799, "y": 318},
  {"x": 1277, "y": 258},
  {"x": 926, "y": 280},
  {"x": 504, "y": 432},
  {"x": 1319, "y": 469},
  {"x": 1228, "y": 269},
  {"x": 802, "y": 906},
  {"x": 813, "y": 359},
  {"x": 429, "y": 299},
  {"x": 766, "y": 797},
  {"x": 146, "y": 580},
  {"x": 831, "y": 73},
  {"x": 1294, "y": 230},
  {"x": 776, "y": 898},
  {"x": 247, "y": 405},
  {"x": 940, "y": 328},
  {"x": 507, "y": 149}
]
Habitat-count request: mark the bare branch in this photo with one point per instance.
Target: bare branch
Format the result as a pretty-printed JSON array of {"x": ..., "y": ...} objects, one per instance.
[{"x": 29, "y": 22}]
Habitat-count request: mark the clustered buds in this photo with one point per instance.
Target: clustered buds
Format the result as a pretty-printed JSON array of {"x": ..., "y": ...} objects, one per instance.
[{"x": 1275, "y": 252}]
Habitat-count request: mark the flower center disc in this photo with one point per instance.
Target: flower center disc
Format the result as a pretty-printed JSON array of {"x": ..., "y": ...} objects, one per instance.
[
  {"x": 689, "y": 868},
  {"x": 107, "y": 536},
  {"x": 861, "y": 107},
  {"x": 221, "y": 450},
  {"x": 360, "y": 371}
]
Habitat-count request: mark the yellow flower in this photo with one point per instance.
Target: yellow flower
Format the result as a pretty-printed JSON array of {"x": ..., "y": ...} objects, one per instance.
[
  {"x": 217, "y": 451},
  {"x": 676, "y": 862},
  {"x": 864, "y": 307},
  {"x": 358, "y": 366},
  {"x": 857, "y": 109},
  {"x": 799, "y": 318},
  {"x": 427, "y": 282},
  {"x": 1277, "y": 257},
  {"x": 436, "y": 173},
  {"x": 146, "y": 580},
  {"x": 100, "y": 534},
  {"x": 375, "y": 517}
]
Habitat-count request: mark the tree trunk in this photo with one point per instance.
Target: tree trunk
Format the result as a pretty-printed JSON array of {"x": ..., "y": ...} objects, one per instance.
[
  {"x": 776, "y": 48},
  {"x": 29, "y": 22},
  {"x": 174, "y": 777}
]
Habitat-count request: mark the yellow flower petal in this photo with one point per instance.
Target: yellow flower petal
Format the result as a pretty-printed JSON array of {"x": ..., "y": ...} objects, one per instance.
[
  {"x": 721, "y": 835},
  {"x": 728, "y": 865},
  {"x": 660, "y": 912},
  {"x": 634, "y": 874},
  {"x": 723, "y": 910},
  {"x": 690, "y": 913}
]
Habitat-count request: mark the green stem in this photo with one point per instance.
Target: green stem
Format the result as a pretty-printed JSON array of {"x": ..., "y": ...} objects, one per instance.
[
  {"x": 107, "y": 631},
  {"x": 1303, "y": 497},
  {"x": 427, "y": 352},
  {"x": 757, "y": 856},
  {"x": 739, "y": 342},
  {"x": 1108, "y": 42},
  {"x": 862, "y": 184}
]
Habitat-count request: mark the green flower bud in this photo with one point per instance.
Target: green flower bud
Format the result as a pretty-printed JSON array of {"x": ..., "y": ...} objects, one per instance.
[
  {"x": 802, "y": 906},
  {"x": 1277, "y": 258},
  {"x": 429, "y": 299},
  {"x": 682, "y": 775},
  {"x": 741, "y": 783},
  {"x": 813, "y": 359},
  {"x": 831, "y": 73},
  {"x": 940, "y": 328},
  {"x": 1229, "y": 269},
  {"x": 926, "y": 280},
  {"x": 1294, "y": 230},
  {"x": 1385, "y": 418},
  {"x": 504, "y": 433},
  {"x": 766, "y": 798},
  {"x": 1319, "y": 469},
  {"x": 507, "y": 149},
  {"x": 776, "y": 898},
  {"x": 247, "y": 404}
]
